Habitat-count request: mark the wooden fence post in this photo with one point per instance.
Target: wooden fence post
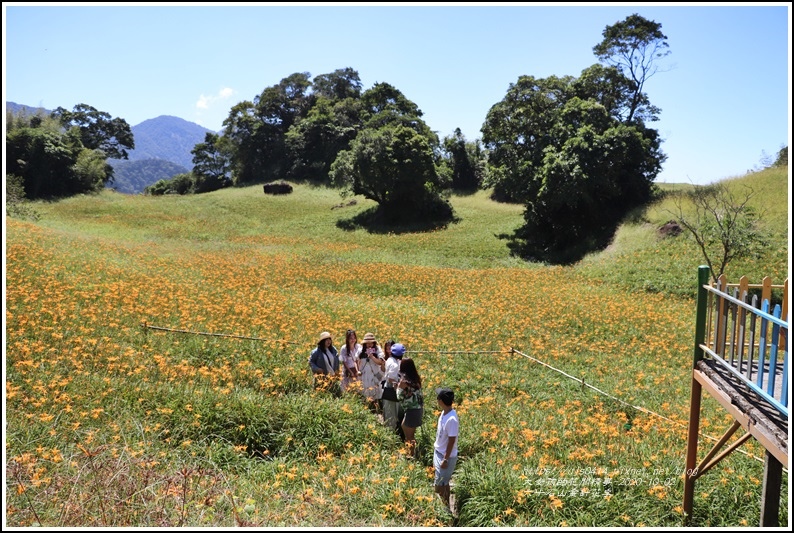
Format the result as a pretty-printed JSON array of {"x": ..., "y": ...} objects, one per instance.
[{"x": 694, "y": 404}]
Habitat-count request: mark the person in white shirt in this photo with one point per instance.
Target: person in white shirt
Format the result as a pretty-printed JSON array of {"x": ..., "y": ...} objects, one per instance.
[
  {"x": 445, "y": 454},
  {"x": 348, "y": 354}
]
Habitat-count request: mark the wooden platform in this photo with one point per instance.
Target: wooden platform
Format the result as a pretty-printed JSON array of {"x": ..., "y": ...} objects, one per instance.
[{"x": 755, "y": 414}]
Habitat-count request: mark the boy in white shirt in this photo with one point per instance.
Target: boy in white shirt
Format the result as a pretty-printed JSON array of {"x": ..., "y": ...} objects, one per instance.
[{"x": 445, "y": 455}]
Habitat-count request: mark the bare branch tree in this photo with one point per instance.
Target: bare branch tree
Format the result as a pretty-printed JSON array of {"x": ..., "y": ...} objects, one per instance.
[{"x": 723, "y": 224}]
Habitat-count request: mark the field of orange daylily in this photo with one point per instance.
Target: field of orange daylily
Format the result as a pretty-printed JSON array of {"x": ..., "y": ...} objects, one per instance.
[{"x": 573, "y": 396}]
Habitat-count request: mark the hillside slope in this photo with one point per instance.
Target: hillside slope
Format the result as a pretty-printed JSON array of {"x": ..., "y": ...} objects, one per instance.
[
  {"x": 640, "y": 258},
  {"x": 158, "y": 345}
]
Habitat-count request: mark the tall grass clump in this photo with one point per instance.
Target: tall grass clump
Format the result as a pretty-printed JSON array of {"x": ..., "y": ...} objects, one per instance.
[{"x": 572, "y": 384}]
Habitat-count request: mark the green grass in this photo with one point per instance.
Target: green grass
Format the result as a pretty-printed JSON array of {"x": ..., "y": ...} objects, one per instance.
[
  {"x": 298, "y": 223},
  {"x": 110, "y": 423}
]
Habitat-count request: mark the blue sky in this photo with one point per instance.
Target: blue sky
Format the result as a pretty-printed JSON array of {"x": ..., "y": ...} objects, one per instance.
[{"x": 724, "y": 91}]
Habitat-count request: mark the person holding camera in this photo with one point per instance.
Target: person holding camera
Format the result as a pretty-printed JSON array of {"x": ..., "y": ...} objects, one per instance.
[
  {"x": 409, "y": 393},
  {"x": 371, "y": 363},
  {"x": 349, "y": 354}
]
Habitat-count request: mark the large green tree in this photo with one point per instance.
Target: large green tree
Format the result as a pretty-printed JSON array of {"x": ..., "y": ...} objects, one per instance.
[
  {"x": 297, "y": 128},
  {"x": 98, "y": 130},
  {"x": 577, "y": 151},
  {"x": 257, "y": 130},
  {"x": 240, "y": 128},
  {"x": 465, "y": 160},
  {"x": 52, "y": 162},
  {"x": 516, "y": 133},
  {"x": 394, "y": 160},
  {"x": 211, "y": 163},
  {"x": 394, "y": 166},
  {"x": 329, "y": 126},
  {"x": 586, "y": 185}
]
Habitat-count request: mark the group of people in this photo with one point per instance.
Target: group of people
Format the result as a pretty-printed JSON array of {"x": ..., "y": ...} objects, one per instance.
[{"x": 392, "y": 387}]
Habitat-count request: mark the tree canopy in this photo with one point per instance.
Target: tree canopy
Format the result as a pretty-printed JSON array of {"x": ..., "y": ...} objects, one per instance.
[
  {"x": 633, "y": 46},
  {"x": 327, "y": 131},
  {"x": 393, "y": 160},
  {"x": 465, "y": 161},
  {"x": 577, "y": 151},
  {"x": 211, "y": 163},
  {"x": 65, "y": 153},
  {"x": 98, "y": 130}
]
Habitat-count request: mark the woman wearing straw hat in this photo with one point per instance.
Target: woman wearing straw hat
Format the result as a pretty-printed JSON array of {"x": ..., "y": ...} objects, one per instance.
[
  {"x": 371, "y": 363},
  {"x": 324, "y": 361}
]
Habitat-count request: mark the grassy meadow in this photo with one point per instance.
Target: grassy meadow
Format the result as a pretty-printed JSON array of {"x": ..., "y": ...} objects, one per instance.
[{"x": 572, "y": 383}]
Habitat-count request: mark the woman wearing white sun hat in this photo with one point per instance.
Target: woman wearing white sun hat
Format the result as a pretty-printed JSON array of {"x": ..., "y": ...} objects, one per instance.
[{"x": 370, "y": 364}]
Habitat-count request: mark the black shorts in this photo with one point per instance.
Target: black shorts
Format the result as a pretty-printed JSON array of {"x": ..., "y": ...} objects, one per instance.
[{"x": 413, "y": 418}]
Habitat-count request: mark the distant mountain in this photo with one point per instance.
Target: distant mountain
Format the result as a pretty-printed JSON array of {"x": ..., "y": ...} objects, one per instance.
[
  {"x": 158, "y": 142},
  {"x": 28, "y": 110},
  {"x": 132, "y": 177},
  {"x": 165, "y": 137}
]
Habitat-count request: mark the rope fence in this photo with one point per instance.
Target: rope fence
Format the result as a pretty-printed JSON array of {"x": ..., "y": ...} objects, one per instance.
[
  {"x": 460, "y": 351},
  {"x": 158, "y": 328},
  {"x": 637, "y": 407},
  {"x": 511, "y": 351}
]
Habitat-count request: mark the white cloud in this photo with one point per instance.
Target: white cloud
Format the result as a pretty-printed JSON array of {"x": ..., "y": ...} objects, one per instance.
[
  {"x": 218, "y": 105},
  {"x": 205, "y": 101}
]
